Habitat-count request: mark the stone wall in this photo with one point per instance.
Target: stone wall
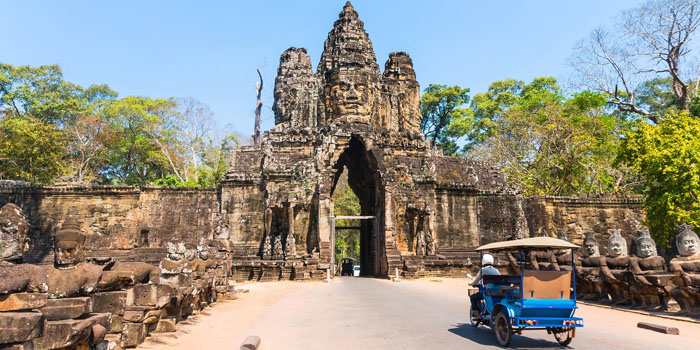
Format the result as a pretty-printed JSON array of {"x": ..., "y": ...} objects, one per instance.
[
  {"x": 116, "y": 219},
  {"x": 550, "y": 215},
  {"x": 134, "y": 223}
]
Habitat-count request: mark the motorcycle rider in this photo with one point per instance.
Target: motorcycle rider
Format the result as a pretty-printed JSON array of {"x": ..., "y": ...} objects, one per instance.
[{"x": 486, "y": 269}]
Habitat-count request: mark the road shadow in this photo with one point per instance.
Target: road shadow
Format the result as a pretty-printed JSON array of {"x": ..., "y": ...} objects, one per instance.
[{"x": 483, "y": 335}]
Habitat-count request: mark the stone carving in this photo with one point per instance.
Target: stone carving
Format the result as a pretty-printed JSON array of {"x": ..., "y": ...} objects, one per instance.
[
  {"x": 176, "y": 262},
  {"x": 521, "y": 229},
  {"x": 420, "y": 243},
  {"x": 349, "y": 115},
  {"x": 429, "y": 243},
  {"x": 563, "y": 256},
  {"x": 588, "y": 280},
  {"x": 222, "y": 229},
  {"x": 68, "y": 248},
  {"x": 686, "y": 268},
  {"x": 544, "y": 260},
  {"x": 651, "y": 285},
  {"x": 203, "y": 249},
  {"x": 267, "y": 248},
  {"x": 13, "y": 234},
  {"x": 190, "y": 254},
  {"x": 615, "y": 272},
  {"x": 277, "y": 250},
  {"x": 173, "y": 252},
  {"x": 75, "y": 304},
  {"x": 290, "y": 248}
]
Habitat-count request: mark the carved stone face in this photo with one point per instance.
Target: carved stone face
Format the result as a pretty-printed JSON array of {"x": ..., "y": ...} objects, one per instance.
[
  {"x": 190, "y": 254},
  {"x": 646, "y": 249},
  {"x": 617, "y": 246},
  {"x": 688, "y": 246},
  {"x": 173, "y": 253},
  {"x": 687, "y": 241},
  {"x": 68, "y": 248},
  {"x": 591, "y": 248},
  {"x": 616, "y": 249},
  {"x": 350, "y": 94}
]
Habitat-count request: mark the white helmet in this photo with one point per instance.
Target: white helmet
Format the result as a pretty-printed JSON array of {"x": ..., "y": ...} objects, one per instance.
[{"x": 487, "y": 259}]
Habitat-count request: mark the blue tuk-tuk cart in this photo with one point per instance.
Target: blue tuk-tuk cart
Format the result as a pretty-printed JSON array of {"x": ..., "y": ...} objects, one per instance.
[{"x": 534, "y": 299}]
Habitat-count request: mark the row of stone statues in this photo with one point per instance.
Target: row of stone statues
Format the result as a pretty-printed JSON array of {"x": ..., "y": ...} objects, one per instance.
[
  {"x": 102, "y": 300},
  {"x": 642, "y": 278},
  {"x": 273, "y": 249}
]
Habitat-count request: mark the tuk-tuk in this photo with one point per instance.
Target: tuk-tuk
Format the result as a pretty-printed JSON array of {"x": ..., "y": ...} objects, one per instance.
[
  {"x": 534, "y": 299},
  {"x": 347, "y": 267}
]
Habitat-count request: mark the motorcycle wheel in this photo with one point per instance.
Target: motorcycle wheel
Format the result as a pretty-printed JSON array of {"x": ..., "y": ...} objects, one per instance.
[
  {"x": 564, "y": 336},
  {"x": 502, "y": 329}
]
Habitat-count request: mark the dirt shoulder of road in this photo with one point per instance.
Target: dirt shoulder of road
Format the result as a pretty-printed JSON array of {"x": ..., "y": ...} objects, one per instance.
[{"x": 225, "y": 322}]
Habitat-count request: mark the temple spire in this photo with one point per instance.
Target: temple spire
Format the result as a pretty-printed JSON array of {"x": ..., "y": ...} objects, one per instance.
[
  {"x": 348, "y": 11},
  {"x": 348, "y": 45}
]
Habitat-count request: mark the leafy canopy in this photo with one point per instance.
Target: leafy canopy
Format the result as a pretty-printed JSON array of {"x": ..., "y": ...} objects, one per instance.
[
  {"x": 440, "y": 105},
  {"x": 667, "y": 156}
]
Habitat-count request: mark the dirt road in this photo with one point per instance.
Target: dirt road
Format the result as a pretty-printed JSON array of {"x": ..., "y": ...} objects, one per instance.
[{"x": 363, "y": 313}]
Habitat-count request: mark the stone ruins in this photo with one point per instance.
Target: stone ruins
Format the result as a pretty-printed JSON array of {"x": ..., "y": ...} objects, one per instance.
[
  {"x": 350, "y": 114},
  {"x": 104, "y": 266},
  {"x": 78, "y": 302}
]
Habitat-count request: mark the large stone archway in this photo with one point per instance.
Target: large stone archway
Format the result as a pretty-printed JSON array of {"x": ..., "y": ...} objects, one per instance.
[
  {"x": 365, "y": 182},
  {"x": 277, "y": 197}
]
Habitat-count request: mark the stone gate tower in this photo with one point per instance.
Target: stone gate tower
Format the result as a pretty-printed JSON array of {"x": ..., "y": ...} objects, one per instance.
[{"x": 431, "y": 210}]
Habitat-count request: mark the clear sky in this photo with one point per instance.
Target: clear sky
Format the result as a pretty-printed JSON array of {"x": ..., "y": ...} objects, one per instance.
[{"x": 210, "y": 50}]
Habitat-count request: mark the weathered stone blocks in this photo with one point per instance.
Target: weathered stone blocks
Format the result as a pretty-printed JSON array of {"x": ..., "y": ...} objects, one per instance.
[
  {"x": 133, "y": 334},
  {"x": 61, "y": 309},
  {"x": 112, "y": 302},
  {"x": 22, "y": 301},
  {"x": 64, "y": 333},
  {"x": 155, "y": 295},
  {"x": 18, "y": 327}
]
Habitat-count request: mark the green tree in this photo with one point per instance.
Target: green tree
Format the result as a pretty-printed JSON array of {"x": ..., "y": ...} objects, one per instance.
[
  {"x": 488, "y": 108},
  {"x": 38, "y": 91},
  {"x": 89, "y": 135},
  {"x": 545, "y": 143},
  {"x": 39, "y": 94},
  {"x": 440, "y": 105},
  {"x": 142, "y": 151},
  {"x": 667, "y": 156},
  {"x": 216, "y": 158},
  {"x": 656, "y": 96},
  {"x": 346, "y": 203},
  {"x": 30, "y": 150}
]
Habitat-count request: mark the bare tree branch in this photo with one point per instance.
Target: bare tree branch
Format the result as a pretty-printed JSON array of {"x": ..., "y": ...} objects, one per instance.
[{"x": 258, "y": 107}]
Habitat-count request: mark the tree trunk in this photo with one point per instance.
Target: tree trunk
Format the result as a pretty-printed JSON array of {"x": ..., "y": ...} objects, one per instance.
[{"x": 258, "y": 108}]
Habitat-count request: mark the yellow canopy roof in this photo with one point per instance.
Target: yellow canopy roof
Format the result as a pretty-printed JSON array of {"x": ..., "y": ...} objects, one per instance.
[{"x": 537, "y": 242}]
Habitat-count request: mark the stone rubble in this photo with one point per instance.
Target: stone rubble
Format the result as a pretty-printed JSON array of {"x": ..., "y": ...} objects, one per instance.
[{"x": 75, "y": 303}]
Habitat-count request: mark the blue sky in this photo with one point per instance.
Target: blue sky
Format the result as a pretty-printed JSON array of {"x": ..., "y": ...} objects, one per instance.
[{"x": 210, "y": 50}]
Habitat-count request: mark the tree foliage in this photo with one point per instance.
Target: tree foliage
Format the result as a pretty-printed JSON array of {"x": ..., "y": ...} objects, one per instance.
[
  {"x": 346, "y": 203},
  {"x": 487, "y": 109},
  {"x": 548, "y": 144},
  {"x": 440, "y": 105},
  {"x": 30, "y": 150},
  {"x": 57, "y": 131},
  {"x": 667, "y": 156}
]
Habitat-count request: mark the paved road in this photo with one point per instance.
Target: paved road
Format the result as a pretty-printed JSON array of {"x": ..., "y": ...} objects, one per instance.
[{"x": 363, "y": 313}]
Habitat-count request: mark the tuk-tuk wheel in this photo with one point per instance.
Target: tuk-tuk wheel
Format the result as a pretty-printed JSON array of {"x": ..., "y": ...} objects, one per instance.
[
  {"x": 564, "y": 336},
  {"x": 502, "y": 329},
  {"x": 474, "y": 317}
]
